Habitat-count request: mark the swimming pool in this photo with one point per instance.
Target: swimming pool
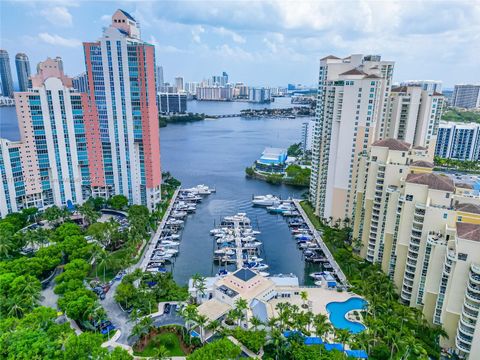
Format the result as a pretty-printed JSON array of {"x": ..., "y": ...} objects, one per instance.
[{"x": 338, "y": 310}]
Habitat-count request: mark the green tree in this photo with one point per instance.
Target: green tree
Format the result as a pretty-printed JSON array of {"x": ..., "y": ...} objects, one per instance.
[
  {"x": 222, "y": 349},
  {"x": 7, "y": 247},
  {"x": 304, "y": 297},
  {"x": 118, "y": 202}
]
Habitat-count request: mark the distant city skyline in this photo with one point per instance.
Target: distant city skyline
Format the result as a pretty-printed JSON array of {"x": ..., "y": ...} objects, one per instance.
[{"x": 265, "y": 43}]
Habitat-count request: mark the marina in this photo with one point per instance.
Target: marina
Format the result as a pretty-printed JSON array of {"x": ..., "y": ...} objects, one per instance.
[{"x": 164, "y": 245}]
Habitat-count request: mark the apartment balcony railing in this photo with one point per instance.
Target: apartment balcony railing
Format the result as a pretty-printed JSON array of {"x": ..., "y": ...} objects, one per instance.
[
  {"x": 474, "y": 278},
  {"x": 471, "y": 305},
  {"x": 472, "y": 296},
  {"x": 475, "y": 268},
  {"x": 473, "y": 288},
  {"x": 462, "y": 346}
]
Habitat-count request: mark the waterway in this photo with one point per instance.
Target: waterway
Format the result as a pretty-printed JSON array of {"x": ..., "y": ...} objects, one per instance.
[{"x": 216, "y": 153}]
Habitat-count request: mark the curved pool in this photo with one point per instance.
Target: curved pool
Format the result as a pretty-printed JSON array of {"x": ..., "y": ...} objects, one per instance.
[{"x": 338, "y": 311}]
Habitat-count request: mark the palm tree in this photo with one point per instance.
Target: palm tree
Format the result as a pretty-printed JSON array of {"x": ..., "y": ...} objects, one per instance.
[
  {"x": 103, "y": 260},
  {"x": 343, "y": 336},
  {"x": 304, "y": 296},
  {"x": 142, "y": 328},
  {"x": 279, "y": 343},
  {"x": 240, "y": 306},
  {"x": 190, "y": 314},
  {"x": 161, "y": 353},
  {"x": 256, "y": 322},
  {"x": 213, "y": 326},
  {"x": 199, "y": 282},
  {"x": 321, "y": 325},
  {"x": 202, "y": 321}
]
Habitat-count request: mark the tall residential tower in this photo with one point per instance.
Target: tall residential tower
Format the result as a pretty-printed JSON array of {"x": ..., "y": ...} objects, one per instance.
[
  {"x": 122, "y": 88},
  {"x": 23, "y": 70},
  {"x": 351, "y": 113},
  {"x": 6, "y": 74}
]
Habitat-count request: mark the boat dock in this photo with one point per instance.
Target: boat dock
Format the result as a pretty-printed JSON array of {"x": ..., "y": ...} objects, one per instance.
[
  {"x": 155, "y": 238},
  {"x": 238, "y": 244},
  {"x": 318, "y": 239}
]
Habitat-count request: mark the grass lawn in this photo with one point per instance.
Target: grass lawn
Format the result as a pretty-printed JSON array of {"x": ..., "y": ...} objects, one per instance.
[
  {"x": 169, "y": 340},
  {"x": 115, "y": 264},
  {"x": 311, "y": 214}
]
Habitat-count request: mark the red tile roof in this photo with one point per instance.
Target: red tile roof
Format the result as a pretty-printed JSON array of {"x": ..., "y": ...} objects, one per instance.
[
  {"x": 353, "y": 72},
  {"x": 433, "y": 181},
  {"x": 469, "y": 208},
  {"x": 421, "y": 163},
  {"x": 468, "y": 231},
  {"x": 393, "y": 144},
  {"x": 330, "y": 57},
  {"x": 463, "y": 185}
]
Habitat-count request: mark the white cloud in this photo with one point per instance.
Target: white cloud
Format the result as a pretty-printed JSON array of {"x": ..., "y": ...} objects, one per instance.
[
  {"x": 229, "y": 33},
  {"x": 162, "y": 49},
  {"x": 196, "y": 32},
  {"x": 58, "y": 15},
  {"x": 106, "y": 19},
  {"x": 54, "y": 39}
]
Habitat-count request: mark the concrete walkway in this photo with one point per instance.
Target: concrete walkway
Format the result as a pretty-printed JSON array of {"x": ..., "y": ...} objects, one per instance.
[{"x": 321, "y": 244}]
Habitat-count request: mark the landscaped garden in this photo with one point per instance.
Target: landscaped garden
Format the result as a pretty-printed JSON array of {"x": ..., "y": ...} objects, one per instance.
[{"x": 393, "y": 330}]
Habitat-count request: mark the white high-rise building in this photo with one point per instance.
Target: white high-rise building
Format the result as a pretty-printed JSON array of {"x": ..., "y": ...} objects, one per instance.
[
  {"x": 351, "y": 113},
  {"x": 308, "y": 129},
  {"x": 414, "y": 115},
  {"x": 179, "y": 84},
  {"x": 427, "y": 85},
  {"x": 458, "y": 141},
  {"x": 159, "y": 75},
  {"x": 466, "y": 96}
]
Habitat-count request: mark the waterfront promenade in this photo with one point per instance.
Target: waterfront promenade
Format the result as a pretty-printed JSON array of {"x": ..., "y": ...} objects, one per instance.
[
  {"x": 321, "y": 244},
  {"x": 150, "y": 247}
]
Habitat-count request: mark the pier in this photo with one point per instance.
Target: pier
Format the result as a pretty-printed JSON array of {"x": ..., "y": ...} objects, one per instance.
[
  {"x": 154, "y": 239},
  {"x": 321, "y": 244},
  {"x": 238, "y": 244}
]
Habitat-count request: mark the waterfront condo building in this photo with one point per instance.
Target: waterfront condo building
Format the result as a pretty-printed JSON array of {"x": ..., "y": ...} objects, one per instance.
[
  {"x": 351, "y": 114},
  {"x": 459, "y": 141},
  {"x": 414, "y": 115},
  {"x": 49, "y": 166},
  {"x": 423, "y": 229},
  {"x": 466, "y": 96},
  {"x": 5, "y": 74},
  {"x": 23, "y": 70},
  {"x": 121, "y": 75}
]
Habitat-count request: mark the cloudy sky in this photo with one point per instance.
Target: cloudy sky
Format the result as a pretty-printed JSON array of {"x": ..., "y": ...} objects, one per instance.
[{"x": 261, "y": 42}]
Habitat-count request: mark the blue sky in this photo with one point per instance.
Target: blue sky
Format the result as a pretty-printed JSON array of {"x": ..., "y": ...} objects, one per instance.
[{"x": 260, "y": 42}]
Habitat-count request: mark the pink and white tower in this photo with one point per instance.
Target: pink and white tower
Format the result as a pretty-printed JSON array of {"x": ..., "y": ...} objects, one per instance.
[{"x": 124, "y": 121}]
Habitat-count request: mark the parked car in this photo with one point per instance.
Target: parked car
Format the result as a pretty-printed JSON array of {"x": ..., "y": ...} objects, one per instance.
[{"x": 166, "y": 308}]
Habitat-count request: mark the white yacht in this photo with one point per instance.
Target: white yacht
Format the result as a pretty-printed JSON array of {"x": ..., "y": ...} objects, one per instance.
[{"x": 265, "y": 200}]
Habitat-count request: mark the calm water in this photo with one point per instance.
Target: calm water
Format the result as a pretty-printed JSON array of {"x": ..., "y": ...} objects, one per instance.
[{"x": 216, "y": 152}]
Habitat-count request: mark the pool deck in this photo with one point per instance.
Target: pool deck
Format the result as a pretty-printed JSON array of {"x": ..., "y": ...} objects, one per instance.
[{"x": 318, "y": 298}]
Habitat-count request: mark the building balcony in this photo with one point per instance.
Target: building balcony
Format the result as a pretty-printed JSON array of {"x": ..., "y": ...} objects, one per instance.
[
  {"x": 475, "y": 298},
  {"x": 473, "y": 288},
  {"x": 412, "y": 256},
  {"x": 475, "y": 268},
  {"x": 418, "y": 220},
  {"x": 465, "y": 330},
  {"x": 472, "y": 314},
  {"x": 471, "y": 305},
  {"x": 463, "y": 347},
  {"x": 474, "y": 278}
]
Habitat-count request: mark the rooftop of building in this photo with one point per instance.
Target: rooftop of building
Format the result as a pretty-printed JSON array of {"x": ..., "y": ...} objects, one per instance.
[
  {"x": 245, "y": 283},
  {"x": 354, "y": 71},
  {"x": 463, "y": 185},
  {"x": 127, "y": 15},
  {"x": 469, "y": 208},
  {"x": 330, "y": 57},
  {"x": 422, "y": 163},
  {"x": 393, "y": 144},
  {"x": 468, "y": 231},
  {"x": 433, "y": 181},
  {"x": 244, "y": 274},
  {"x": 418, "y": 147}
]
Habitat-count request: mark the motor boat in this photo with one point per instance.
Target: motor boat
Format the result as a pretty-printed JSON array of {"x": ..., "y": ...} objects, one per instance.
[
  {"x": 248, "y": 238},
  {"x": 218, "y": 231},
  {"x": 256, "y": 265},
  {"x": 226, "y": 239},
  {"x": 223, "y": 272},
  {"x": 265, "y": 200},
  {"x": 178, "y": 214},
  {"x": 279, "y": 209},
  {"x": 168, "y": 243},
  {"x": 225, "y": 251},
  {"x": 252, "y": 245},
  {"x": 303, "y": 236},
  {"x": 317, "y": 275},
  {"x": 250, "y": 232},
  {"x": 170, "y": 237},
  {"x": 306, "y": 245},
  {"x": 253, "y": 258},
  {"x": 264, "y": 273},
  {"x": 290, "y": 213},
  {"x": 201, "y": 190},
  {"x": 174, "y": 222}
]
